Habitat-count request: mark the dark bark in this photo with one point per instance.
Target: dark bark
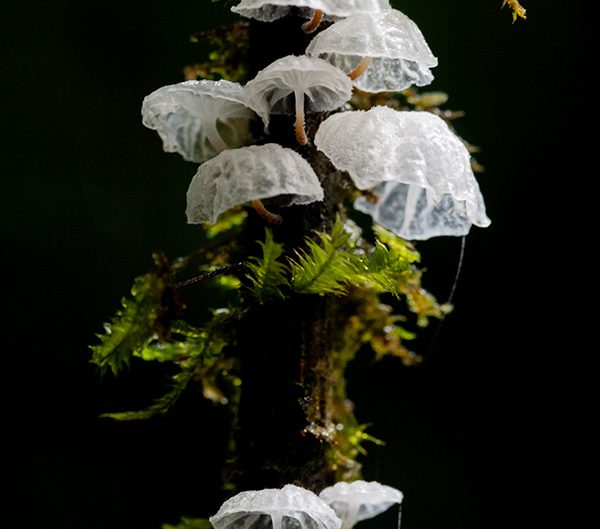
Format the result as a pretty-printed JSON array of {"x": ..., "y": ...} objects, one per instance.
[{"x": 286, "y": 394}]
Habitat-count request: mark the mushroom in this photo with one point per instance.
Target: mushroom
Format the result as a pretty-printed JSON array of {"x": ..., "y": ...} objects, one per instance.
[
  {"x": 290, "y": 507},
  {"x": 381, "y": 51},
  {"x": 325, "y": 87},
  {"x": 199, "y": 119},
  {"x": 360, "y": 500},
  {"x": 249, "y": 174},
  {"x": 421, "y": 169},
  {"x": 270, "y": 10}
]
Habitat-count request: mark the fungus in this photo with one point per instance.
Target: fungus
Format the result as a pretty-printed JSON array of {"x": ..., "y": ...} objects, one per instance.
[
  {"x": 314, "y": 22},
  {"x": 290, "y": 507},
  {"x": 270, "y": 10},
  {"x": 324, "y": 86},
  {"x": 420, "y": 170},
  {"x": 381, "y": 51},
  {"x": 199, "y": 119},
  {"x": 249, "y": 174},
  {"x": 360, "y": 500}
]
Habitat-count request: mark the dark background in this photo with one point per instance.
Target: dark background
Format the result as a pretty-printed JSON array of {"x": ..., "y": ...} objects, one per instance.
[{"x": 490, "y": 432}]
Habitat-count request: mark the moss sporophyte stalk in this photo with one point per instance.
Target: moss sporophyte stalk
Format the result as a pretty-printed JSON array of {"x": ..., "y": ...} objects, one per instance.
[{"x": 314, "y": 170}]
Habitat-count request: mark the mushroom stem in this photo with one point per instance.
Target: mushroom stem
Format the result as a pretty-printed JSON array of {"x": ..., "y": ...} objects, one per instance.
[
  {"x": 410, "y": 205},
  {"x": 214, "y": 138},
  {"x": 299, "y": 124},
  {"x": 276, "y": 520},
  {"x": 270, "y": 218},
  {"x": 360, "y": 68},
  {"x": 314, "y": 22},
  {"x": 351, "y": 516}
]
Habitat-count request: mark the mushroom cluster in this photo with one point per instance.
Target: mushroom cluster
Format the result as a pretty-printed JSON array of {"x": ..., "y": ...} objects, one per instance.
[
  {"x": 291, "y": 507},
  {"x": 412, "y": 173}
]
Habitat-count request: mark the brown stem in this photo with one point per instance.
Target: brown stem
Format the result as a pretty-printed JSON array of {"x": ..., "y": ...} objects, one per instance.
[
  {"x": 299, "y": 128},
  {"x": 270, "y": 218},
  {"x": 299, "y": 123},
  {"x": 314, "y": 22},
  {"x": 360, "y": 68}
]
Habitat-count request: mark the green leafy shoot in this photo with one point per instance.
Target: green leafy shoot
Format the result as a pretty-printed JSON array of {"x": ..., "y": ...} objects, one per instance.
[
  {"x": 421, "y": 302},
  {"x": 229, "y": 221},
  {"x": 332, "y": 263},
  {"x": 335, "y": 262},
  {"x": 195, "y": 351},
  {"x": 348, "y": 444},
  {"x": 266, "y": 274},
  {"x": 375, "y": 323},
  {"x": 171, "y": 351},
  {"x": 401, "y": 248},
  {"x": 189, "y": 523},
  {"x": 161, "y": 405},
  {"x": 383, "y": 268},
  {"x": 401, "y": 277},
  {"x": 518, "y": 11},
  {"x": 133, "y": 327},
  {"x": 323, "y": 267}
]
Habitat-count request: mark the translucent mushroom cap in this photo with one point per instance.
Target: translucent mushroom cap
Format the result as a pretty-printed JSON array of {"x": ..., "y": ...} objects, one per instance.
[
  {"x": 400, "y": 55},
  {"x": 325, "y": 86},
  {"x": 289, "y": 508},
  {"x": 360, "y": 500},
  {"x": 269, "y": 10},
  {"x": 422, "y": 170},
  {"x": 237, "y": 176},
  {"x": 199, "y": 119}
]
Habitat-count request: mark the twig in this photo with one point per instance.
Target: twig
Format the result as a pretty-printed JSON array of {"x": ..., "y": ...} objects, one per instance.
[{"x": 233, "y": 269}]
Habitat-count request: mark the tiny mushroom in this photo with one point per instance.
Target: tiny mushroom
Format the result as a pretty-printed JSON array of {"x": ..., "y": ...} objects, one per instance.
[
  {"x": 290, "y": 507},
  {"x": 380, "y": 51},
  {"x": 270, "y": 10},
  {"x": 360, "y": 500},
  {"x": 249, "y": 174},
  {"x": 420, "y": 170},
  {"x": 199, "y": 119},
  {"x": 324, "y": 86}
]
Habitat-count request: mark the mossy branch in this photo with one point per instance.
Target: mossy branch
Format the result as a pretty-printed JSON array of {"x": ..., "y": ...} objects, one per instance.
[{"x": 266, "y": 274}]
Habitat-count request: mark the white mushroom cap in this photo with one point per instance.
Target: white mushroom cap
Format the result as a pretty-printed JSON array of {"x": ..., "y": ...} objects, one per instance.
[
  {"x": 199, "y": 119},
  {"x": 327, "y": 87},
  {"x": 289, "y": 508},
  {"x": 360, "y": 500},
  {"x": 413, "y": 148},
  {"x": 269, "y": 10},
  {"x": 237, "y": 176},
  {"x": 400, "y": 55}
]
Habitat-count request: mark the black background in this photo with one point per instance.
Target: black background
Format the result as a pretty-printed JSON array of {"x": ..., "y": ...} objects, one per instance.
[{"x": 490, "y": 432}]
